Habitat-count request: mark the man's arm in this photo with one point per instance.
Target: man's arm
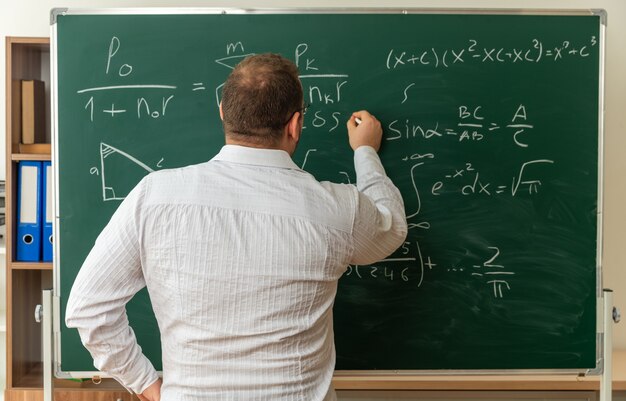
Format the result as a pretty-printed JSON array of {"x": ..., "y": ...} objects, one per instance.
[
  {"x": 380, "y": 225},
  {"x": 110, "y": 276}
]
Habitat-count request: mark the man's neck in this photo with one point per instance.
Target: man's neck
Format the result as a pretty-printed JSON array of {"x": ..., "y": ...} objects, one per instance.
[{"x": 232, "y": 141}]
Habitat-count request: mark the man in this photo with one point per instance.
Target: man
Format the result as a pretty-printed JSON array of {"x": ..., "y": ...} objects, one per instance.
[{"x": 241, "y": 255}]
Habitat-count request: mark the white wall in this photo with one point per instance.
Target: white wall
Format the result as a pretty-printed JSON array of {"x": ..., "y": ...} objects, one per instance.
[{"x": 31, "y": 18}]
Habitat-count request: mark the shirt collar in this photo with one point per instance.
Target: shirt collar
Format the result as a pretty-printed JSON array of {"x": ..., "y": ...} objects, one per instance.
[{"x": 256, "y": 156}]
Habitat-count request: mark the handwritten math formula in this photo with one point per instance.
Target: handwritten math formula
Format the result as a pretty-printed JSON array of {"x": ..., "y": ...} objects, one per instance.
[
  {"x": 415, "y": 141},
  {"x": 475, "y": 52},
  {"x": 412, "y": 266},
  {"x": 471, "y": 126}
]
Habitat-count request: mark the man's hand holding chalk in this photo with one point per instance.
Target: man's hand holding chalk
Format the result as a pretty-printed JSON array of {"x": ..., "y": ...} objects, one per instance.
[{"x": 364, "y": 130}]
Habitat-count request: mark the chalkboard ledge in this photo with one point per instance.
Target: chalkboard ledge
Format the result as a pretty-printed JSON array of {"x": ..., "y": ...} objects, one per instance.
[{"x": 469, "y": 383}]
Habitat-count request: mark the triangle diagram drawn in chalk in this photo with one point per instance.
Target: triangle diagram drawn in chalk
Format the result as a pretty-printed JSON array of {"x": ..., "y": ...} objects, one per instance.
[
  {"x": 232, "y": 61},
  {"x": 120, "y": 172}
]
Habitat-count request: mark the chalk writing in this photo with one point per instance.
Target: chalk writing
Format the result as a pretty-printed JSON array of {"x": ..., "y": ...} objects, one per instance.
[
  {"x": 110, "y": 154},
  {"x": 410, "y": 265},
  {"x": 466, "y": 180},
  {"x": 473, "y": 51},
  {"x": 471, "y": 126},
  {"x": 114, "y": 47},
  {"x": 327, "y": 90}
]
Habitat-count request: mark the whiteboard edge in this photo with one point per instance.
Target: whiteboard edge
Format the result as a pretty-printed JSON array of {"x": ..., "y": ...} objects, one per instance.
[
  {"x": 600, "y": 212},
  {"x": 320, "y": 10},
  {"x": 56, "y": 316},
  {"x": 55, "y": 12},
  {"x": 582, "y": 372},
  {"x": 602, "y": 13},
  {"x": 396, "y": 373}
]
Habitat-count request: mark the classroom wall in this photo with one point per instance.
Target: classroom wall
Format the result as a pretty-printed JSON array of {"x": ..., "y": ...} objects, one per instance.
[{"x": 31, "y": 18}]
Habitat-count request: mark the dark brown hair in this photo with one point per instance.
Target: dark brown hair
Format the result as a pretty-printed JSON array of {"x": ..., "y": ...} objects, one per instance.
[{"x": 259, "y": 97}]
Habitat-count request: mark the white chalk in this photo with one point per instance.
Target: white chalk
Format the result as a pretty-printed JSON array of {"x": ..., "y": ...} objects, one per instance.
[{"x": 358, "y": 120}]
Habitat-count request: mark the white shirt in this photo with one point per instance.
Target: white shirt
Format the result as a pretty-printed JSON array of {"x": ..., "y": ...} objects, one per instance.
[{"x": 241, "y": 257}]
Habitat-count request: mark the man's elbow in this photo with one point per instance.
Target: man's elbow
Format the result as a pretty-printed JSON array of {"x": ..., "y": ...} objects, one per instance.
[
  {"x": 71, "y": 316},
  {"x": 401, "y": 236},
  {"x": 74, "y": 314},
  {"x": 385, "y": 245},
  {"x": 397, "y": 236},
  {"x": 397, "y": 233}
]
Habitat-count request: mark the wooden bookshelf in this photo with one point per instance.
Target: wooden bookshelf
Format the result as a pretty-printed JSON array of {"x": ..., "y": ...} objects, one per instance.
[
  {"x": 28, "y": 58},
  {"x": 24, "y": 281}
]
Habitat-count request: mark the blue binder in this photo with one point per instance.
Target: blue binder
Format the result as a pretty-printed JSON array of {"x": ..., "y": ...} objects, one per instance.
[
  {"x": 28, "y": 241},
  {"x": 47, "y": 212}
]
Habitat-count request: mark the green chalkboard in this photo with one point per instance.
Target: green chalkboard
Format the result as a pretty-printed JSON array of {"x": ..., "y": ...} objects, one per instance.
[{"x": 492, "y": 133}]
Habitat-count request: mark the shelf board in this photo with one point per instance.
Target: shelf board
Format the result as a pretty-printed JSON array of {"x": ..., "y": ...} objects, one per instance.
[
  {"x": 31, "y": 265},
  {"x": 30, "y": 156},
  {"x": 40, "y": 42}
]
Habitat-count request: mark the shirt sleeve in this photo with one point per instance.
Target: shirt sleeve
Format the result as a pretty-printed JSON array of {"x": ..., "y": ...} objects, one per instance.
[
  {"x": 380, "y": 225},
  {"x": 110, "y": 276}
]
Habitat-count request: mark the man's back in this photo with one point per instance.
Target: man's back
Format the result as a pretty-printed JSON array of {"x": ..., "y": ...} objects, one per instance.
[
  {"x": 242, "y": 262},
  {"x": 241, "y": 257}
]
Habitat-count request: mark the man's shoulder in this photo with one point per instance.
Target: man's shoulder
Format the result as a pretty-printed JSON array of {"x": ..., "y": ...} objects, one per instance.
[
  {"x": 169, "y": 181},
  {"x": 168, "y": 174}
]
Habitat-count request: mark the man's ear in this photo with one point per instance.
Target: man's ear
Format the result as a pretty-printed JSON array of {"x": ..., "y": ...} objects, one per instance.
[
  {"x": 294, "y": 127},
  {"x": 221, "y": 112}
]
